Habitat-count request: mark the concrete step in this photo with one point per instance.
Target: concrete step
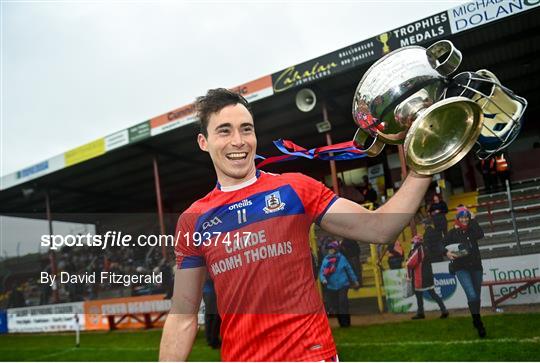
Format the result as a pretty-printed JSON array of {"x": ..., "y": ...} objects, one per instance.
[
  {"x": 510, "y": 249},
  {"x": 519, "y": 207},
  {"x": 509, "y": 238},
  {"x": 533, "y": 189},
  {"x": 529, "y": 219},
  {"x": 530, "y": 200},
  {"x": 509, "y": 231},
  {"x": 516, "y": 185}
]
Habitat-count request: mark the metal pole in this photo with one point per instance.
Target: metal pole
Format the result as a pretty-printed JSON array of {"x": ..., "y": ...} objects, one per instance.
[
  {"x": 333, "y": 171},
  {"x": 401, "y": 153},
  {"x": 512, "y": 215},
  {"x": 52, "y": 257},
  {"x": 377, "y": 276},
  {"x": 159, "y": 206}
]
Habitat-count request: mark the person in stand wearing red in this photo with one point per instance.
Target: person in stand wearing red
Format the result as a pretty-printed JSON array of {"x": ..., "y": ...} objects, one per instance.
[
  {"x": 256, "y": 247},
  {"x": 421, "y": 274},
  {"x": 503, "y": 170}
]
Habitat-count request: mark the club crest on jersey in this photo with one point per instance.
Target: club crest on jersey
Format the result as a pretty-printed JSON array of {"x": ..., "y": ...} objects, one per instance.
[{"x": 273, "y": 203}]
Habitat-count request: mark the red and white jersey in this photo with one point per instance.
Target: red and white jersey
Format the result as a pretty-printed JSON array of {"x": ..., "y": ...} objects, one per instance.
[{"x": 254, "y": 241}]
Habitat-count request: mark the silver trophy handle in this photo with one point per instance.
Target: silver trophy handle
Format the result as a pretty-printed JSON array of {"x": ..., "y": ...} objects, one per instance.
[{"x": 444, "y": 57}]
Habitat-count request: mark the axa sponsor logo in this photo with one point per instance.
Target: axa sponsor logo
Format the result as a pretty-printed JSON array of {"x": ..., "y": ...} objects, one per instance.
[
  {"x": 445, "y": 285},
  {"x": 211, "y": 223},
  {"x": 242, "y": 204}
]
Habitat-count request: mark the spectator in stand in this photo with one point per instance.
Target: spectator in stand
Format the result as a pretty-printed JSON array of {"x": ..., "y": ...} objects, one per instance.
[
  {"x": 433, "y": 241},
  {"x": 489, "y": 173},
  {"x": 420, "y": 272},
  {"x": 503, "y": 169},
  {"x": 351, "y": 250},
  {"x": 437, "y": 210},
  {"x": 349, "y": 192},
  {"x": 370, "y": 195},
  {"x": 465, "y": 261},
  {"x": 212, "y": 320},
  {"x": 337, "y": 275},
  {"x": 395, "y": 258},
  {"x": 16, "y": 298}
]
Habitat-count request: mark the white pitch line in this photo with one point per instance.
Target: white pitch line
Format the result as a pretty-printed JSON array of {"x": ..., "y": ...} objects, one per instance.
[
  {"x": 41, "y": 357},
  {"x": 443, "y": 342}
]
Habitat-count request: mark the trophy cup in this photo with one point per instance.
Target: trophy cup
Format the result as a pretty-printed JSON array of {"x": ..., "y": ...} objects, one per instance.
[{"x": 409, "y": 97}]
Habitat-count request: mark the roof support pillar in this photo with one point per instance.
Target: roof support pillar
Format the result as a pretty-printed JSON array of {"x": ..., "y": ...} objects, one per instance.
[
  {"x": 52, "y": 257},
  {"x": 159, "y": 206},
  {"x": 333, "y": 171}
]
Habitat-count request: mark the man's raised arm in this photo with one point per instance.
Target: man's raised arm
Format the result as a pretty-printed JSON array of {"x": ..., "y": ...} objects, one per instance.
[
  {"x": 181, "y": 325},
  {"x": 348, "y": 219}
]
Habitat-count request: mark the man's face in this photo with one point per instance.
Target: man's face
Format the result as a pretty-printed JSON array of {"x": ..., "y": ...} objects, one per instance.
[
  {"x": 231, "y": 143},
  {"x": 464, "y": 220}
]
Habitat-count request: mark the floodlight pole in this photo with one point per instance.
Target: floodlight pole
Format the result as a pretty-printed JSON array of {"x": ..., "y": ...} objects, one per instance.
[
  {"x": 52, "y": 257},
  {"x": 159, "y": 207}
]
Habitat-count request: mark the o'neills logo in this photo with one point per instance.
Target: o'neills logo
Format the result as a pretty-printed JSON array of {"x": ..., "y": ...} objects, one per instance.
[
  {"x": 242, "y": 204},
  {"x": 291, "y": 77}
]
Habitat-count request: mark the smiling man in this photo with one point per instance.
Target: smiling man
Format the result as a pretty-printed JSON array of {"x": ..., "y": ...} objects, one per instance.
[{"x": 251, "y": 234}]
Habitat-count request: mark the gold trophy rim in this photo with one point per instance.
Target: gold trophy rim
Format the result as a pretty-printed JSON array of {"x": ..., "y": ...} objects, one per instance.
[{"x": 459, "y": 152}]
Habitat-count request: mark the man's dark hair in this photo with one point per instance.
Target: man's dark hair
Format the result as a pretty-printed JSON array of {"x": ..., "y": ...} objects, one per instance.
[{"x": 214, "y": 101}]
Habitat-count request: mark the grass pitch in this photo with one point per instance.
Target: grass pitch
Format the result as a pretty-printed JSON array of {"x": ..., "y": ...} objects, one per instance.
[{"x": 511, "y": 337}]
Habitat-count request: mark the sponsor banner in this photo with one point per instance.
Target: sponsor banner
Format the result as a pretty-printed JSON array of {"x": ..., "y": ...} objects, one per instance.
[
  {"x": 305, "y": 73},
  {"x": 139, "y": 132},
  {"x": 255, "y": 90},
  {"x": 85, "y": 152},
  {"x": 426, "y": 30},
  {"x": 116, "y": 140},
  {"x": 172, "y": 120},
  {"x": 357, "y": 54},
  {"x": 325, "y": 66},
  {"x": 3, "y": 322},
  {"x": 480, "y": 12},
  {"x": 376, "y": 178},
  {"x": 97, "y": 311},
  {"x": 45, "y": 318},
  {"x": 448, "y": 287},
  {"x": 33, "y": 172}
]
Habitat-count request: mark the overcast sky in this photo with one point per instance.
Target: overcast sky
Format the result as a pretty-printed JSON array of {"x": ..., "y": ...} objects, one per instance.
[{"x": 76, "y": 71}]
